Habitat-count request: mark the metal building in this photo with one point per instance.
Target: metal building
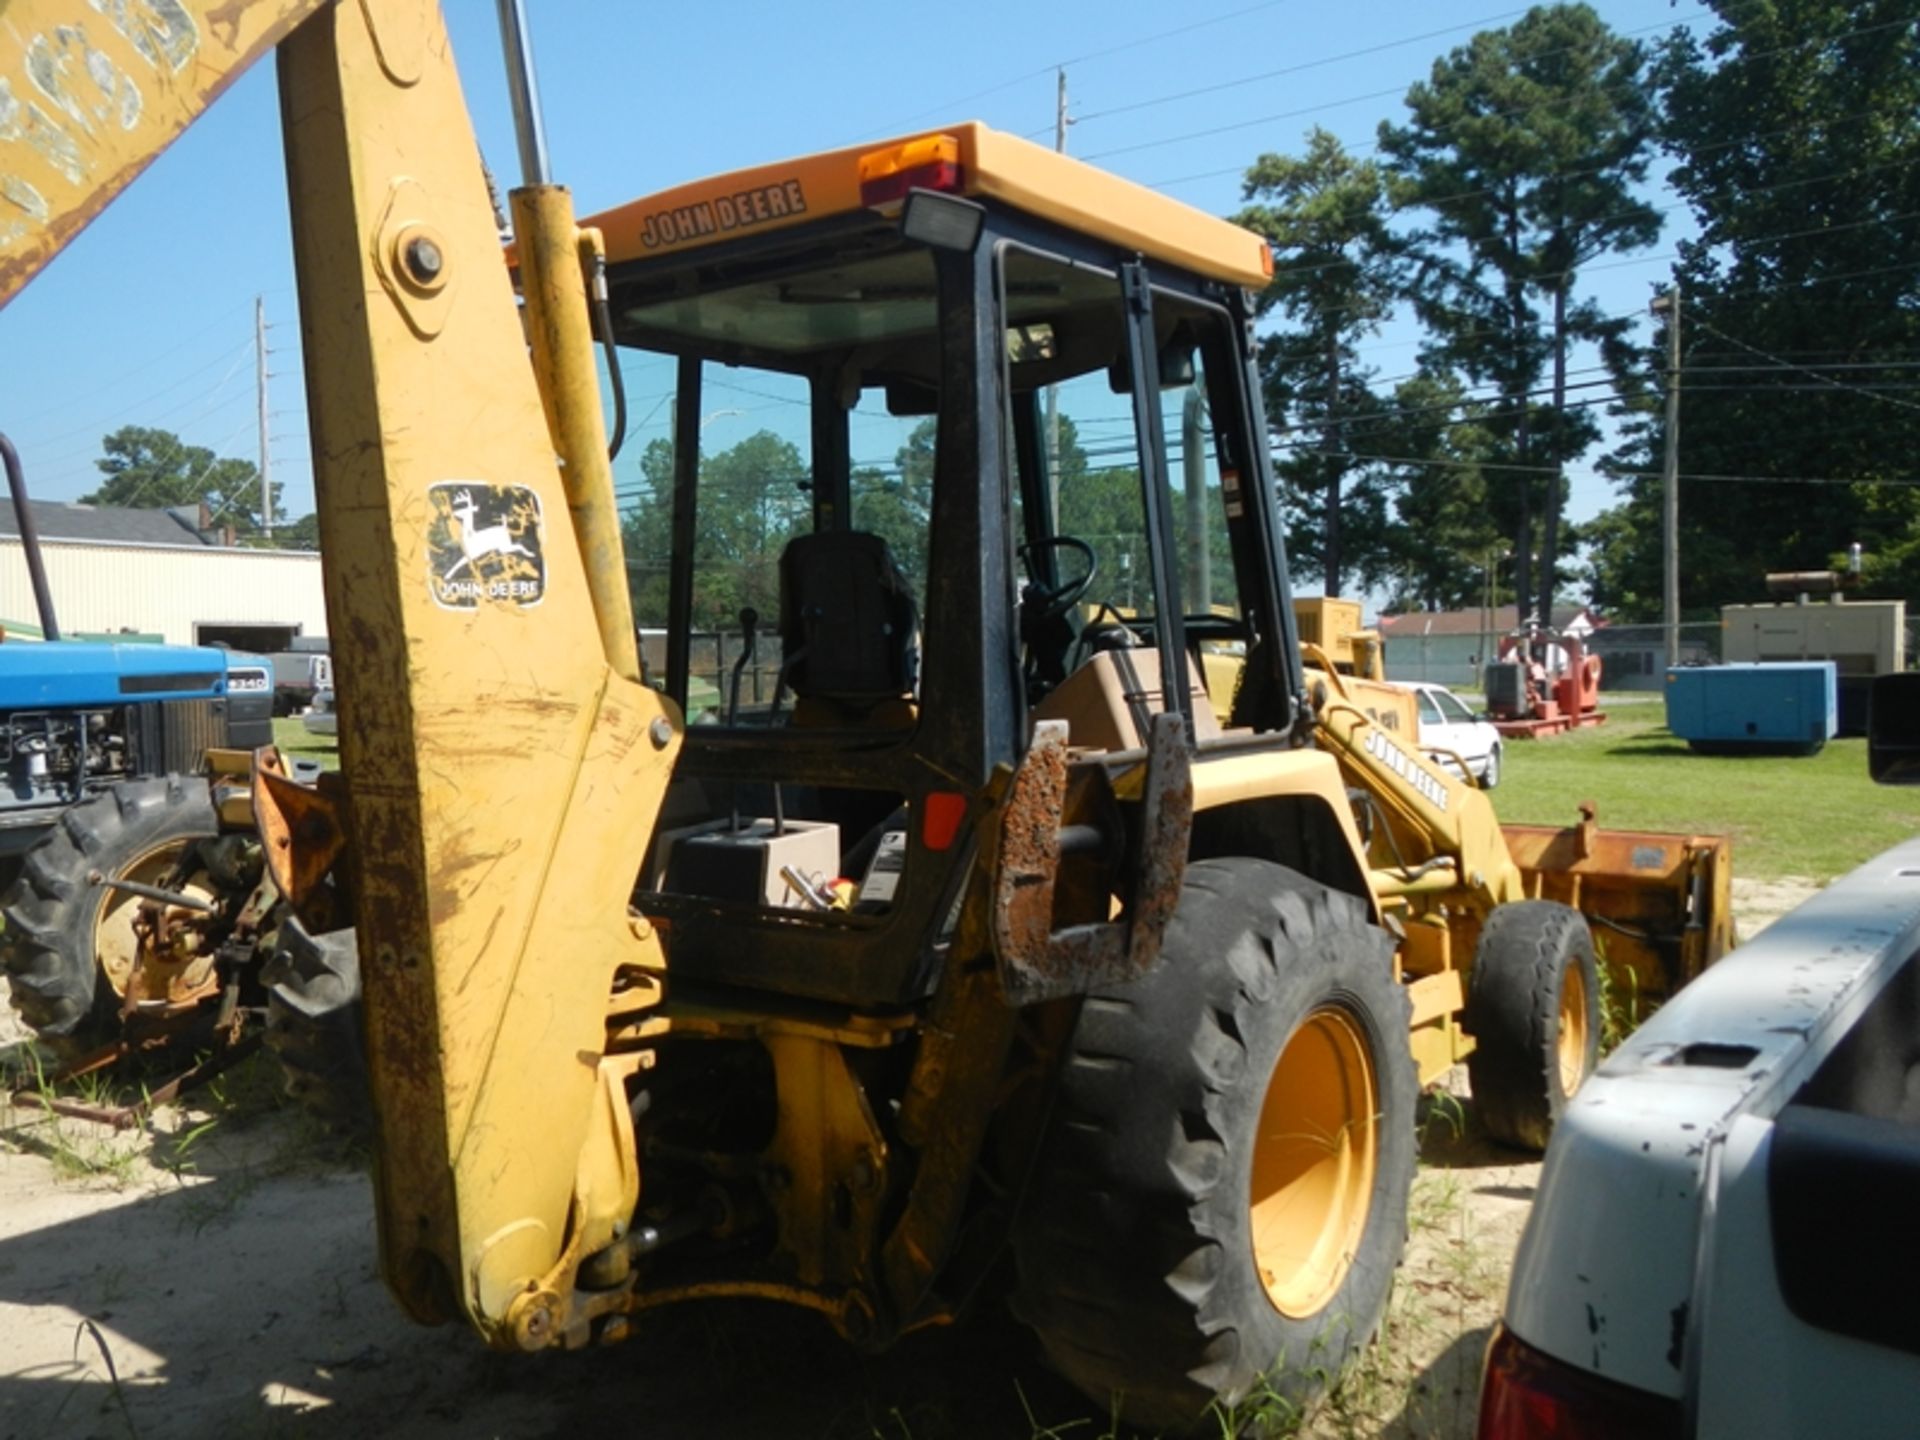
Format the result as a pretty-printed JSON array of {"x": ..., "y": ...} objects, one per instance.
[{"x": 157, "y": 575}]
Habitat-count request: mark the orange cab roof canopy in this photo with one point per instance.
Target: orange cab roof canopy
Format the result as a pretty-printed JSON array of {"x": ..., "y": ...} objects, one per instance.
[{"x": 967, "y": 159}]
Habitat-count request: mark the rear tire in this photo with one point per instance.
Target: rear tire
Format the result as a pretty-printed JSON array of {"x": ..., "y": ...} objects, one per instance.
[
  {"x": 1181, "y": 1245},
  {"x": 67, "y": 946},
  {"x": 1490, "y": 777},
  {"x": 313, "y": 1025},
  {"x": 1533, "y": 1009}
]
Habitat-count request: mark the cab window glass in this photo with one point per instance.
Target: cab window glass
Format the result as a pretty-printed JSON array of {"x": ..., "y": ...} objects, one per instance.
[
  {"x": 1067, "y": 344},
  {"x": 754, "y": 492},
  {"x": 1197, "y": 489}
]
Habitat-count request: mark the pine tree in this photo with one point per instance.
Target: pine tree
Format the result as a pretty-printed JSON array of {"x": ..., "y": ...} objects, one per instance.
[
  {"x": 1340, "y": 269},
  {"x": 1525, "y": 146},
  {"x": 1796, "y": 127}
]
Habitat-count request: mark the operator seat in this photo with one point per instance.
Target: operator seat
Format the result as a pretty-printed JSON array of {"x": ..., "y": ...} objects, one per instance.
[{"x": 849, "y": 629}]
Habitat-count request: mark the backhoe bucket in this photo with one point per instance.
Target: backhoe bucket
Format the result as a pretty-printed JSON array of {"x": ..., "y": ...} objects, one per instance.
[{"x": 1660, "y": 905}]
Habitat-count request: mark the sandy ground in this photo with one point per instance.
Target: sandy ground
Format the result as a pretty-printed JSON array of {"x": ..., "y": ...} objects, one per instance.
[{"x": 200, "y": 1280}]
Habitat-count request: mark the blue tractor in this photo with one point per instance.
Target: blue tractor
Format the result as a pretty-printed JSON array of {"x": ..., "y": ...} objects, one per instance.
[{"x": 102, "y": 816}]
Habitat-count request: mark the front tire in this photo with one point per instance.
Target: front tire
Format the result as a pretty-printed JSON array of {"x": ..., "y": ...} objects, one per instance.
[
  {"x": 313, "y": 1025},
  {"x": 69, "y": 944},
  {"x": 1490, "y": 776},
  {"x": 1533, "y": 1009},
  {"x": 1221, "y": 1198}
]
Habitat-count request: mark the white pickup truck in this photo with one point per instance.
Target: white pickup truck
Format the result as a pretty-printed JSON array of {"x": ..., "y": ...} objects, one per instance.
[{"x": 1726, "y": 1240}]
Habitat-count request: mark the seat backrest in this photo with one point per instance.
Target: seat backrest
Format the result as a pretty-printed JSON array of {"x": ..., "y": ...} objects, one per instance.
[
  {"x": 1110, "y": 701},
  {"x": 849, "y": 630}
]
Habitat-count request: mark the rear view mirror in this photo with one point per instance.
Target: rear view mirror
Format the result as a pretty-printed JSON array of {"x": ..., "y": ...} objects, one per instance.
[
  {"x": 910, "y": 397},
  {"x": 1175, "y": 363},
  {"x": 1893, "y": 729}
]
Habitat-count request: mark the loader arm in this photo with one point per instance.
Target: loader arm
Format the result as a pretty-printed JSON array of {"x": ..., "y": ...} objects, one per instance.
[
  {"x": 505, "y": 766},
  {"x": 1439, "y": 831}
]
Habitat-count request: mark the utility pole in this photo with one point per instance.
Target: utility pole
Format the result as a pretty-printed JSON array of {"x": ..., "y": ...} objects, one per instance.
[
  {"x": 1060, "y": 123},
  {"x": 1193, "y": 462},
  {"x": 260, "y": 377},
  {"x": 1669, "y": 306}
]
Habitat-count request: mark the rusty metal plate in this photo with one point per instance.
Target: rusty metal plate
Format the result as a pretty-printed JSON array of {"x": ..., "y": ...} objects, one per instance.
[
  {"x": 301, "y": 828},
  {"x": 1038, "y": 962}
]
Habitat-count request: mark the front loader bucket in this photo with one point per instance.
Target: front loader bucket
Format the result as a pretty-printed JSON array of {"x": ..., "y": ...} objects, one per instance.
[{"x": 1660, "y": 905}]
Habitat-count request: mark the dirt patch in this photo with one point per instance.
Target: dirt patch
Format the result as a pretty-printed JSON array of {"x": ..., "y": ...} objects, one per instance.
[
  {"x": 1758, "y": 903},
  {"x": 221, "y": 1279}
]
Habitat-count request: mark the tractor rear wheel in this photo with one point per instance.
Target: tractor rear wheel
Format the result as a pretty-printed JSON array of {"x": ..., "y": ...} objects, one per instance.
[
  {"x": 1221, "y": 1198},
  {"x": 313, "y": 1025},
  {"x": 1533, "y": 1009},
  {"x": 70, "y": 945}
]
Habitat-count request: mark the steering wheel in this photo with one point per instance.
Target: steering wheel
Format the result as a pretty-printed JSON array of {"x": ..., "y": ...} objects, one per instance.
[{"x": 1051, "y": 602}]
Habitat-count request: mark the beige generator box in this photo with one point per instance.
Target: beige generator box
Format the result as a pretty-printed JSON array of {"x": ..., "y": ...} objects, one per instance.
[
  {"x": 1328, "y": 623},
  {"x": 1861, "y": 637},
  {"x": 753, "y": 863}
]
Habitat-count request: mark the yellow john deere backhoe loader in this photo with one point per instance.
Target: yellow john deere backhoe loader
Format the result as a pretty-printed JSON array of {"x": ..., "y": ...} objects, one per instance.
[{"x": 980, "y": 934}]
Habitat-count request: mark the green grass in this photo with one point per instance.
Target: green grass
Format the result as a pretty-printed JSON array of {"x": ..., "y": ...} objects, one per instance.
[
  {"x": 294, "y": 738},
  {"x": 1814, "y": 816},
  {"x": 1811, "y": 817}
]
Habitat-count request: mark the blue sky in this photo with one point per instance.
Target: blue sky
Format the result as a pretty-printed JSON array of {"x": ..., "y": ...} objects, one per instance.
[{"x": 148, "y": 317}]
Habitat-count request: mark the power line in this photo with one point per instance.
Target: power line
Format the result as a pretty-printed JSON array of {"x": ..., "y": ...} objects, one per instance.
[
  {"x": 244, "y": 347},
  {"x": 1516, "y": 113},
  {"x": 1359, "y": 147},
  {"x": 1615, "y": 474},
  {"x": 1871, "y": 394},
  {"x": 953, "y": 105},
  {"x": 1304, "y": 66},
  {"x": 1903, "y": 267},
  {"x": 144, "y": 366},
  {"x": 1434, "y": 202}
]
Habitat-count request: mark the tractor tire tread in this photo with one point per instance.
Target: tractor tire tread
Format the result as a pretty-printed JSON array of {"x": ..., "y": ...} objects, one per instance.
[
  {"x": 1513, "y": 1012},
  {"x": 1142, "y": 1305},
  {"x": 50, "y": 910},
  {"x": 313, "y": 1026}
]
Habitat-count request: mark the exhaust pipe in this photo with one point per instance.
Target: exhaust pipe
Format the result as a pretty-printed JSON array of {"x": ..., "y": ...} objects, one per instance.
[{"x": 29, "y": 539}]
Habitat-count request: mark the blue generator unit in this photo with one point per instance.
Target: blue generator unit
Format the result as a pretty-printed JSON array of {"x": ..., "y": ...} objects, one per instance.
[{"x": 1772, "y": 708}]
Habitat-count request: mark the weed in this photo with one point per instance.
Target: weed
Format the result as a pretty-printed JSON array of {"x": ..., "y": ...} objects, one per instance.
[
  {"x": 176, "y": 1150},
  {"x": 1436, "y": 1198},
  {"x": 113, "y": 1286},
  {"x": 1263, "y": 1411},
  {"x": 78, "y": 1150},
  {"x": 87, "y": 1327},
  {"x": 1066, "y": 1429},
  {"x": 1442, "y": 1119},
  {"x": 1620, "y": 1007},
  {"x": 204, "y": 1206},
  {"x": 245, "y": 1092}
]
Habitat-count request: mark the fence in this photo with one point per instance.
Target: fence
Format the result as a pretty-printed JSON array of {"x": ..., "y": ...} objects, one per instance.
[
  {"x": 1632, "y": 657},
  {"x": 712, "y": 655}
]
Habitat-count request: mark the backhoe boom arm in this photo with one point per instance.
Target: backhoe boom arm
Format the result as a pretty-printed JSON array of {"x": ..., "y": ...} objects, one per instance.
[{"x": 505, "y": 767}]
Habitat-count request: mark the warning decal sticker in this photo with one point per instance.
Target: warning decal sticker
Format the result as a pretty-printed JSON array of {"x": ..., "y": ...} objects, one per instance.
[{"x": 484, "y": 542}]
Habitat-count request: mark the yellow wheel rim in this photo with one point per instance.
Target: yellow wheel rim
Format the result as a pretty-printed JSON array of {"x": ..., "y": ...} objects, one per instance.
[
  {"x": 1314, "y": 1157},
  {"x": 115, "y": 942},
  {"x": 1573, "y": 1029}
]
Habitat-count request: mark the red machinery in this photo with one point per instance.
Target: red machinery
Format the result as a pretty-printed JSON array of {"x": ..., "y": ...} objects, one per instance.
[{"x": 1543, "y": 682}]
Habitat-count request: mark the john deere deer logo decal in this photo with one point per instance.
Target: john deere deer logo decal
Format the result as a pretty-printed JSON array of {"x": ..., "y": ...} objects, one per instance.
[{"x": 484, "y": 543}]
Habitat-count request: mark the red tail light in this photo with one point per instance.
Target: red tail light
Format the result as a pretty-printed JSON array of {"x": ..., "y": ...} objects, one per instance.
[
  {"x": 940, "y": 819},
  {"x": 884, "y": 189},
  {"x": 1528, "y": 1395}
]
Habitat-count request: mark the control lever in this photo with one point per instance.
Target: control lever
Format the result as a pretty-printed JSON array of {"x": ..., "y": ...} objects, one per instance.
[{"x": 749, "y": 633}]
